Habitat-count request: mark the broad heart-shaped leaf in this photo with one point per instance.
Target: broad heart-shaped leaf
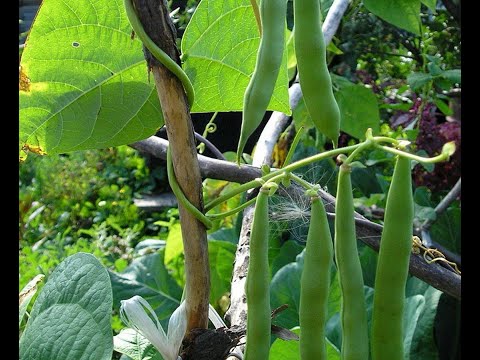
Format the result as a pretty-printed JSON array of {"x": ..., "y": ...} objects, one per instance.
[
  {"x": 71, "y": 317},
  {"x": 84, "y": 81},
  {"x": 404, "y": 14},
  {"x": 147, "y": 277},
  {"x": 290, "y": 350},
  {"x": 358, "y": 110},
  {"x": 131, "y": 343},
  {"x": 220, "y": 46}
]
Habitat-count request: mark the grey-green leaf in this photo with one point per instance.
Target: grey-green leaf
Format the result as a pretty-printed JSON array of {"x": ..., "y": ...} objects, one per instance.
[
  {"x": 71, "y": 316},
  {"x": 147, "y": 277},
  {"x": 134, "y": 345},
  {"x": 220, "y": 47},
  {"x": 404, "y": 14},
  {"x": 417, "y": 79},
  {"x": 83, "y": 80},
  {"x": 413, "y": 308},
  {"x": 455, "y": 75}
]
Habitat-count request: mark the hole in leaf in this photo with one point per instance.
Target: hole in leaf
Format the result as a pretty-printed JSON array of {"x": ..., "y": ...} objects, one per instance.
[{"x": 75, "y": 44}]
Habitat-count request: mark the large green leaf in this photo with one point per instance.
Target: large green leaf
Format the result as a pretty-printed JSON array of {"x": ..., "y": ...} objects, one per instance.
[
  {"x": 220, "y": 47},
  {"x": 131, "y": 343},
  {"x": 290, "y": 350},
  {"x": 404, "y": 14},
  {"x": 84, "y": 81},
  {"x": 71, "y": 317},
  {"x": 358, "y": 109},
  {"x": 147, "y": 277}
]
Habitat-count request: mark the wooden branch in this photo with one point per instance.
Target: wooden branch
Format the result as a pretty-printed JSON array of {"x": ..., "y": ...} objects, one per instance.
[
  {"x": 368, "y": 232},
  {"x": 155, "y": 18}
]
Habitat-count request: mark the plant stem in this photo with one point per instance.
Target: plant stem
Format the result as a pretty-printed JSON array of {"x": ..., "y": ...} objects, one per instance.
[
  {"x": 289, "y": 168},
  {"x": 421, "y": 159}
]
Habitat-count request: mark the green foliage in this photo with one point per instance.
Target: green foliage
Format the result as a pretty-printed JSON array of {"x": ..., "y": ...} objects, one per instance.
[
  {"x": 71, "y": 317},
  {"x": 220, "y": 63},
  {"x": 81, "y": 202},
  {"x": 289, "y": 350},
  {"x": 148, "y": 277},
  {"x": 85, "y": 112},
  {"x": 402, "y": 13},
  {"x": 131, "y": 343}
]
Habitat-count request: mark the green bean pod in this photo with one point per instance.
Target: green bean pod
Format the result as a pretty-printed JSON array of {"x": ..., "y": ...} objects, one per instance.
[
  {"x": 353, "y": 308},
  {"x": 258, "y": 284},
  {"x": 315, "y": 285},
  {"x": 269, "y": 58},
  {"x": 315, "y": 81},
  {"x": 392, "y": 266}
]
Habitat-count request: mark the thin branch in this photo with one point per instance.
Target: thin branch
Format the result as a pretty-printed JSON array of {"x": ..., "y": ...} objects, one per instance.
[{"x": 367, "y": 231}]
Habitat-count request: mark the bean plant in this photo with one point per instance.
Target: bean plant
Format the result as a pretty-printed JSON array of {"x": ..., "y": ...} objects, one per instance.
[{"x": 77, "y": 299}]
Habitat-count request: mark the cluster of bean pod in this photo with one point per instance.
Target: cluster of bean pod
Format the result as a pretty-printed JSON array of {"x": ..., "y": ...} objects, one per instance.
[{"x": 320, "y": 251}]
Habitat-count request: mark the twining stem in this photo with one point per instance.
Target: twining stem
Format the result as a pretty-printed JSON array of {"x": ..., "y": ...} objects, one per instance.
[
  {"x": 256, "y": 11},
  {"x": 425, "y": 160},
  {"x": 295, "y": 142},
  {"x": 289, "y": 168},
  {"x": 233, "y": 211}
]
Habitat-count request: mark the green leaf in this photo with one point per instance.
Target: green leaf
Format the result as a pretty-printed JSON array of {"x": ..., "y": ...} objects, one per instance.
[
  {"x": 71, "y": 317},
  {"x": 404, "y": 14},
  {"x": 291, "y": 58},
  {"x": 26, "y": 296},
  {"x": 431, "y": 4},
  {"x": 413, "y": 308},
  {"x": 285, "y": 289},
  {"x": 358, "y": 110},
  {"x": 455, "y": 75},
  {"x": 174, "y": 246},
  {"x": 417, "y": 79},
  {"x": 220, "y": 47},
  {"x": 287, "y": 254},
  {"x": 85, "y": 82},
  {"x": 289, "y": 350},
  {"x": 423, "y": 341},
  {"x": 446, "y": 229},
  {"x": 221, "y": 255},
  {"x": 225, "y": 234},
  {"x": 131, "y": 343},
  {"x": 332, "y": 48},
  {"x": 365, "y": 181},
  {"x": 423, "y": 196},
  {"x": 148, "y": 277}
]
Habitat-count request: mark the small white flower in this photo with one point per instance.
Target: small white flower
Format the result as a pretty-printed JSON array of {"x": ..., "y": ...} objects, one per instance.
[{"x": 133, "y": 314}]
